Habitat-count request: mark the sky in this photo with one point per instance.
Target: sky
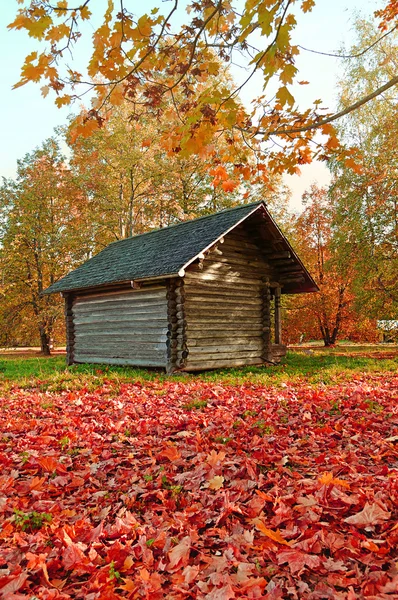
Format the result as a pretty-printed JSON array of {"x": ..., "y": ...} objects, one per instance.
[{"x": 27, "y": 119}]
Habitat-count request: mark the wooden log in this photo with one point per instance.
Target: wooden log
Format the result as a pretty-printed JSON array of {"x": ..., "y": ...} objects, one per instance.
[
  {"x": 172, "y": 347},
  {"x": 218, "y": 321},
  {"x": 242, "y": 289},
  {"x": 233, "y": 259},
  {"x": 70, "y": 329},
  {"x": 236, "y": 354},
  {"x": 220, "y": 364},
  {"x": 139, "y": 347},
  {"x": 208, "y": 293},
  {"x": 292, "y": 279},
  {"x": 123, "y": 337},
  {"x": 202, "y": 339},
  {"x": 237, "y": 316},
  {"x": 224, "y": 299},
  {"x": 193, "y": 328},
  {"x": 124, "y": 352},
  {"x": 225, "y": 278},
  {"x": 272, "y": 255},
  {"x": 136, "y": 327},
  {"x": 133, "y": 362},
  {"x": 119, "y": 306},
  {"x": 196, "y": 307},
  {"x": 125, "y": 314},
  {"x": 122, "y": 318},
  {"x": 266, "y": 354},
  {"x": 229, "y": 349},
  {"x": 241, "y": 246},
  {"x": 108, "y": 296},
  {"x": 278, "y": 316},
  {"x": 226, "y": 269}
]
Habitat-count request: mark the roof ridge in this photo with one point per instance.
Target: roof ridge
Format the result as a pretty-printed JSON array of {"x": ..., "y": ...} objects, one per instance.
[{"x": 240, "y": 206}]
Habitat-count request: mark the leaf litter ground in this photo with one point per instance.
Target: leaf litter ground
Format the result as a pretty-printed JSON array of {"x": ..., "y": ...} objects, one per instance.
[{"x": 167, "y": 489}]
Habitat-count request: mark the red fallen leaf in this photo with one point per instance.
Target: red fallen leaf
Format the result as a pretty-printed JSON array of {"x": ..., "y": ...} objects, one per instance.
[
  {"x": 171, "y": 453},
  {"x": 298, "y": 561},
  {"x": 72, "y": 555},
  {"x": 13, "y": 585},
  {"x": 180, "y": 553},
  {"x": 37, "y": 483},
  {"x": 372, "y": 514},
  {"x": 38, "y": 562},
  {"x": 50, "y": 464},
  {"x": 190, "y": 573}
]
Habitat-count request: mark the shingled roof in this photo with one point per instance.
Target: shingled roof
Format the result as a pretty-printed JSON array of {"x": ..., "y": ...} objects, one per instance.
[{"x": 163, "y": 252}]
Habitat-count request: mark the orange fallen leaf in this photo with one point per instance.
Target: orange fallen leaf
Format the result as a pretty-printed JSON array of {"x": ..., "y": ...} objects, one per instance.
[{"x": 273, "y": 535}]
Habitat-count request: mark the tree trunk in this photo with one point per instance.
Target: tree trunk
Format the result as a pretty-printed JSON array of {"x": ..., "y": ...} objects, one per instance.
[{"x": 44, "y": 342}]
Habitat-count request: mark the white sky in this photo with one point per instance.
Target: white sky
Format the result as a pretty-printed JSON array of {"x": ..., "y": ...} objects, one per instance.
[{"x": 27, "y": 118}]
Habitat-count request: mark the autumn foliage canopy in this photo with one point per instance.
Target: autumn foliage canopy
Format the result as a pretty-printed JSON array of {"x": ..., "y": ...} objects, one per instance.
[{"x": 154, "y": 61}]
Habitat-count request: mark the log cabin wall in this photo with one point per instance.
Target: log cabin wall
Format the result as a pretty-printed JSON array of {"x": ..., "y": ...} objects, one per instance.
[
  {"x": 227, "y": 304},
  {"x": 125, "y": 327}
]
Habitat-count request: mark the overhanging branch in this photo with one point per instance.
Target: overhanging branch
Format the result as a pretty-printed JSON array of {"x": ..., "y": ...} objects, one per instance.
[{"x": 331, "y": 118}]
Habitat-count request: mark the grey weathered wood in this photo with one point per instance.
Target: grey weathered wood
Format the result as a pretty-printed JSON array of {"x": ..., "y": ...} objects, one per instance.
[
  {"x": 229, "y": 349},
  {"x": 278, "y": 316},
  {"x": 70, "y": 329},
  {"x": 225, "y": 327},
  {"x": 132, "y": 333},
  {"x": 221, "y": 364},
  {"x": 133, "y": 362},
  {"x": 124, "y": 316},
  {"x": 199, "y": 310},
  {"x": 267, "y": 322},
  {"x": 142, "y": 317},
  {"x": 131, "y": 326},
  {"x": 213, "y": 290},
  {"x": 112, "y": 295},
  {"x": 212, "y": 338},
  {"x": 118, "y": 306}
]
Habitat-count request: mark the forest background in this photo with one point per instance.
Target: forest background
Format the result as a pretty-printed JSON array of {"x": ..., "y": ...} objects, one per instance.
[{"x": 76, "y": 193}]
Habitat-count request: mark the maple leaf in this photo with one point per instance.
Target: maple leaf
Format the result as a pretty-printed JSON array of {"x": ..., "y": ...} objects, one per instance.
[
  {"x": 72, "y": 555},
  {"x": 13, "y": 585},
  {"x": 307, "y": 5},
  {"x": 171, "y": 453},
  {"x": 180, "y": 553},
  {"x": 329, "y": 479},
  {"x": 216, "y": 482},
  {"x": 273, "y": 535},
  {"x": 370, "y": 515},
  {"x": 298, "y": 561},
  {"x": 229, "y": 185},
  {"x": 284, "y": 96}
]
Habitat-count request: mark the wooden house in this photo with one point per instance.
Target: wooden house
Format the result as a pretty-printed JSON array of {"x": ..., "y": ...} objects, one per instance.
[{"x": 197, "y": 295}]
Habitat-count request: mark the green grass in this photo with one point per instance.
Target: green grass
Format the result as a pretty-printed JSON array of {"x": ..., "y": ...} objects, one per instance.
[{"x": 315, "y": 368}]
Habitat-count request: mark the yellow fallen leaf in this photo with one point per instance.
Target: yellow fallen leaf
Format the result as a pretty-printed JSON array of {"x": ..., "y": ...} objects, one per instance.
[{"x": 216, "y": 483}]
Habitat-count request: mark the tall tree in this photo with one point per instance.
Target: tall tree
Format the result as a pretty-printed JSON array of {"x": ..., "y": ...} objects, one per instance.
[
  {"x": 134, "y": 185},
  {"x": 323, "y": 314},
  {"x": 42, "y": 236},
  {"x": 154, "y": 51},
  {"x": 367, "y": 197}
]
